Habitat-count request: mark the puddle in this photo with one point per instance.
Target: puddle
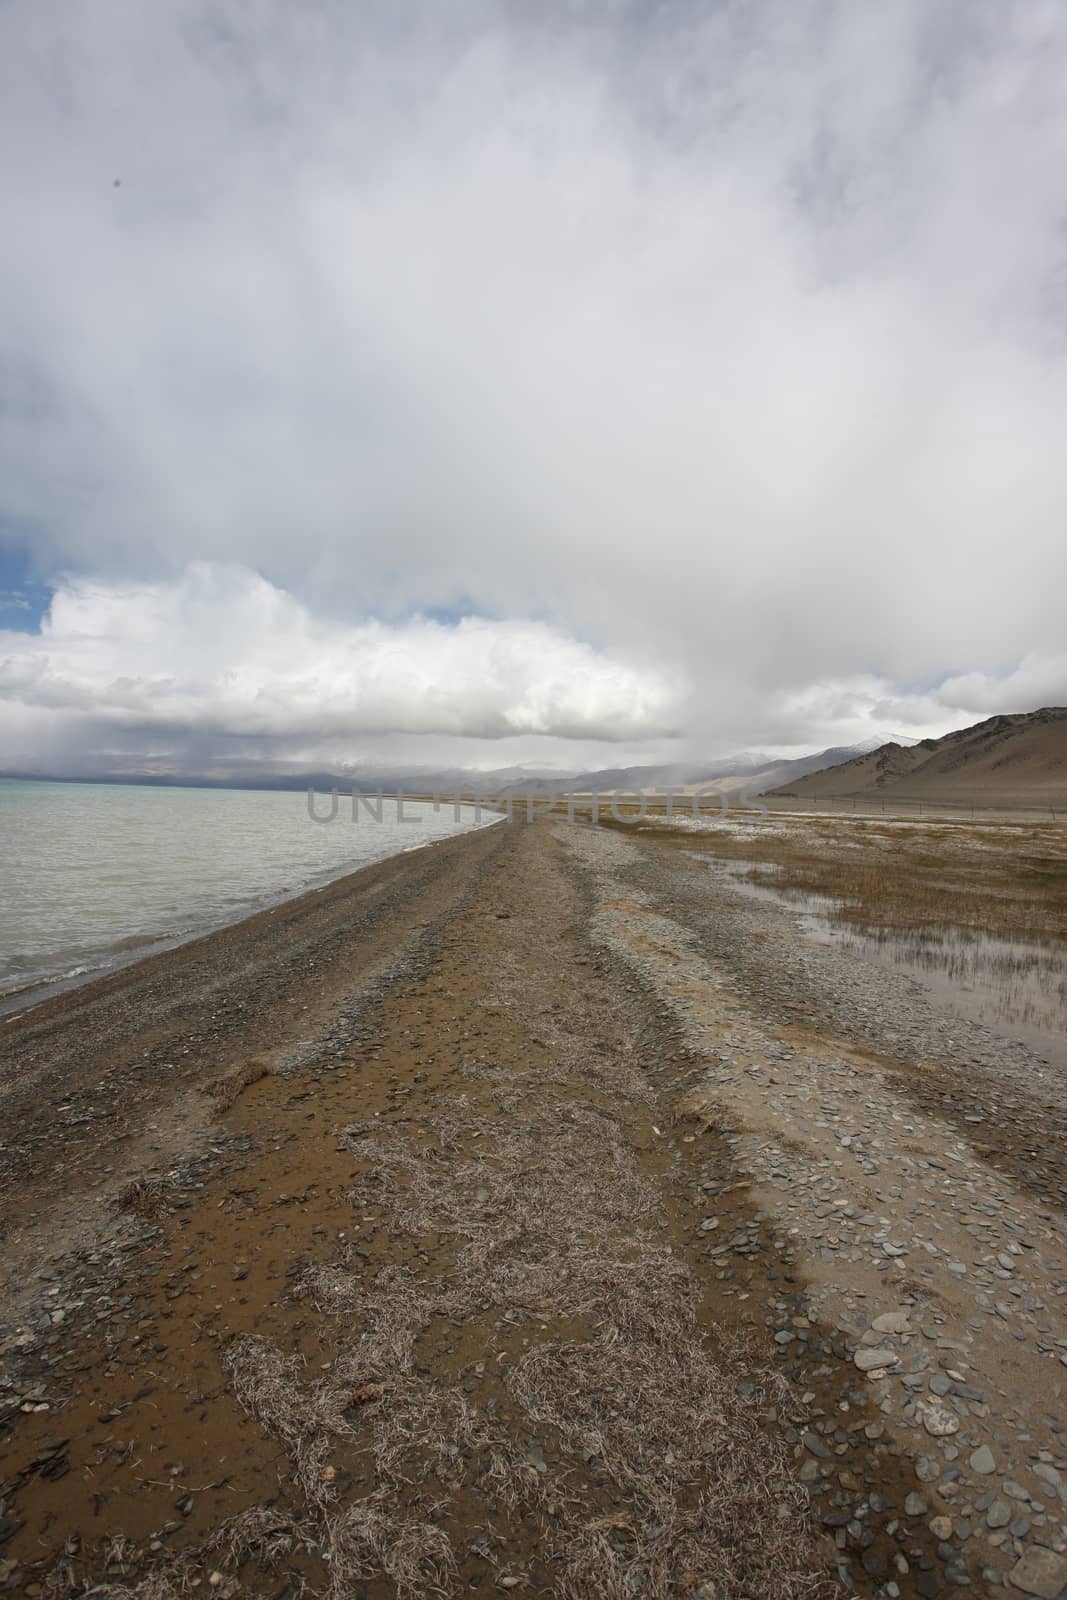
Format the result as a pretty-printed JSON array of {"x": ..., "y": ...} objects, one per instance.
[{"x": 1017, "y": 988}]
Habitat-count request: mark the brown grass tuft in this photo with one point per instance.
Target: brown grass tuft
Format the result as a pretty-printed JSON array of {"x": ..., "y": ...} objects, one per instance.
[
  {"x": 262, "y": 1533},
  {"x": 143, "y": 1197},
  {"x": 226, "y": 1091},
  {"x": 368, "y": 1538}
]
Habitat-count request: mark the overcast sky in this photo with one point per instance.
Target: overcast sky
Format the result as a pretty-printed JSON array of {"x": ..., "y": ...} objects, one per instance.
[{"x": 565, "y": 383}]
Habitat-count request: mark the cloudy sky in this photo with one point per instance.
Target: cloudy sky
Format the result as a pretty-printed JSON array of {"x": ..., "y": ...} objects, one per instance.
[{"x": 563, "y": 383}]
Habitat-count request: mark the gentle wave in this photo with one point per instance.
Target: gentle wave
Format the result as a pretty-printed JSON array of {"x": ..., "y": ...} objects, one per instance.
[{"x": 93, "y": 876}]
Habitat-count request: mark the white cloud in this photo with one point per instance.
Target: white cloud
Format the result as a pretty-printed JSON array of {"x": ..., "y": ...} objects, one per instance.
[
  {"x": 1037, "y": 680},
  {"x": 727, "y": 339},
  {"x": 218, "y": 666},
  {"x": 222, "y": 652}
]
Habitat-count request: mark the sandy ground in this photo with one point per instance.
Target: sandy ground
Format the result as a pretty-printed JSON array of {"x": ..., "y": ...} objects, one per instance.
[{"x": 546, "y": 1257}]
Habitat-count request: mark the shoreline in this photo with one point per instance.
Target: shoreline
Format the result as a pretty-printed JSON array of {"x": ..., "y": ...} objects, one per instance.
[
  {"x": 113, "y": 958},
  {"x": 581, "y": 1201},
  {"x": 207, "y": 1001}
]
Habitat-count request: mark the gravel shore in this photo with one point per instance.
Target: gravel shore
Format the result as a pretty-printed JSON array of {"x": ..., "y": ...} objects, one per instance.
[
  {"x": 532, "y": 1212},
  {"x": 918, "y": 1186}
]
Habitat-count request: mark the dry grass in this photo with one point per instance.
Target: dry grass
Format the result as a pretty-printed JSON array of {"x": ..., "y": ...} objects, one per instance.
[
  {"x": 1005, "y": 879},
  {"x": 173, "y": 1579},
  {"x": 270, "y": 1386},
  {"x": 550, "y": 1220},
  {"x": 408, "y": 1425},
  {"x": 510, "y": 1204},
  {"x": 368, "y": 1540},
  {"x": 226, "y": 1091},
  {"x": 688, "y": 1458},
  {"x": 262, "y": 1533},
  {"x": 143, "y": 1197}
]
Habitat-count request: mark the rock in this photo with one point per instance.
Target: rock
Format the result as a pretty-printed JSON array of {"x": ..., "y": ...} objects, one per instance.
[
  {"x": 868, "y": 1360},
  {"x": 941, "y": 1528},
  {"x": 937, "y": 1419},
  {"x": 982, "y": 1460},
  {"x": 892, "y": 1322},
  {"x": 998, "y": 1515},
  {"x": 817, "y": 1446},
  {"x": 914, "y": 1505},
  {"x": 1040, "y": 1572}
]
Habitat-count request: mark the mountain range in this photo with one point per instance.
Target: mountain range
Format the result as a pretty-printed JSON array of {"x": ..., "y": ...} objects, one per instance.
[
  {"x": 749, "y": 771},
  {"x": 1016, "y": 759}
]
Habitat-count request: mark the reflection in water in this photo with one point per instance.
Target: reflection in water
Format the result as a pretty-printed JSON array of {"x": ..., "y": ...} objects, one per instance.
[{"x": 1016, "y": 988}]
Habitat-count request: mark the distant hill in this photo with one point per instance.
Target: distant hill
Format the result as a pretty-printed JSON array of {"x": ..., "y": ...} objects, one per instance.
[
  {"x": 1018, "y": 759},
  {"x": 749, "y": 772}
]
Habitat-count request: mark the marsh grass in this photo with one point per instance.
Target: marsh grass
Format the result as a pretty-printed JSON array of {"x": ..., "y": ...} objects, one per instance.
[{"x": 1008, "y": 880}]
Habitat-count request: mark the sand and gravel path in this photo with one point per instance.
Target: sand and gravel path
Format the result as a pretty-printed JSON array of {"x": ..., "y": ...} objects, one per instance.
[
  {"x": 543, "y": 1259},
  {"x": 931, "y": 1257}
]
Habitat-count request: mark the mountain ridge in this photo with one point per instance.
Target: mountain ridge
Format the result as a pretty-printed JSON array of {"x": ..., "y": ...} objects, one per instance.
[
  {"x": 749, "y": 770},
  {"x": 1011, "y": 758}
]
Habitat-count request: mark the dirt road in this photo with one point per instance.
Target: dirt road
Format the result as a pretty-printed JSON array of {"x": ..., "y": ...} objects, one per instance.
[{"x": 543, "y": 1259}]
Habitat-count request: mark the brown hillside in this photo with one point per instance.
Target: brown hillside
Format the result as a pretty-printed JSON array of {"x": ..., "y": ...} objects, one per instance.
[{"x": 1019, "y": 759}]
